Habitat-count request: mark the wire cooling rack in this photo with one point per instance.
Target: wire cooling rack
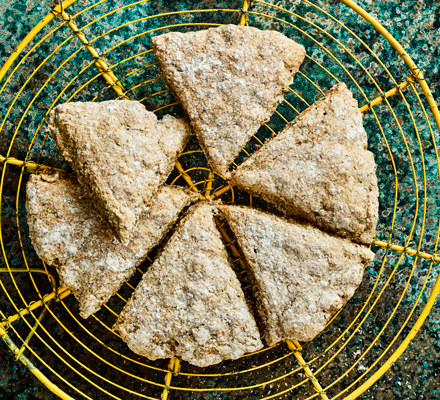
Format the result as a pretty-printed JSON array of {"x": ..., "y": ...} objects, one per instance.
[{"x": 93, "y": 51}]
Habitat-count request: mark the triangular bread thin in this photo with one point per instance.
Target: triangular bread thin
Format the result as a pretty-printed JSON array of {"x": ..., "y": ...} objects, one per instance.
[
  {"x": 189, "y": 303},
  {"x": 319, "y": 169},
  {"x": 69, "y": 233},
  {"x": 229, "y": 81},
  {"x": 301, "y": 275},
  {"x": 121, "y": 154}
]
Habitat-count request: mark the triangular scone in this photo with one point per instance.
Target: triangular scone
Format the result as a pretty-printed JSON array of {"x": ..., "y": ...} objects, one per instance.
[
  {"x": 68, "y": 232},
  {"x": 301, "y": 275},
  {"x": 190, "y": 303},
  {"x": 229, "y": 80},
  {"x": 318, "y": 168},
  {"x": 121, "y": 154}
]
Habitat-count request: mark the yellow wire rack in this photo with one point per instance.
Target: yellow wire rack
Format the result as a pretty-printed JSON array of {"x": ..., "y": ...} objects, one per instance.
[{"x": 248, "y": 377}]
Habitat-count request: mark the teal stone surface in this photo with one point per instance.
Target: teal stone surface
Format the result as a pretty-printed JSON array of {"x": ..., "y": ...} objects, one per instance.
[{"x": 61, "y": 69}]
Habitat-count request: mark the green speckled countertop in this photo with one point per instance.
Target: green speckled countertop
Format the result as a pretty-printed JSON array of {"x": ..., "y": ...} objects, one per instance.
[{"x": 416, "y": 24}]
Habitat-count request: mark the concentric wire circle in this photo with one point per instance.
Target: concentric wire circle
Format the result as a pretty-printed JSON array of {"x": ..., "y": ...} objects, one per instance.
[{"x": 66, "y": 57}]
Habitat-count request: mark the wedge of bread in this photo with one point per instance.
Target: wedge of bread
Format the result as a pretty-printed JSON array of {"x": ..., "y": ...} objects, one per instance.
[
  {"x": 319, "y": 169},
  {"x": 229, "y": 80},
  {"x": 190, "y": 303},
  {"x": 301, "y": 275},
  {"x": 121, "y": 154},
  {"x": 69, "y": 233}
]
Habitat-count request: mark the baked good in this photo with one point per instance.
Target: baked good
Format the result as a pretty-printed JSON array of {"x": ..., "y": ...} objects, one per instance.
[
  {"x": 229, "y": 80},
  {"x": 121, "y": 154},
  {"x": 68, "y": 232},
  {"x": 318, "y": 168},
  {"x": 301, "y": 275},
  {"x": 189, "y": 303}
]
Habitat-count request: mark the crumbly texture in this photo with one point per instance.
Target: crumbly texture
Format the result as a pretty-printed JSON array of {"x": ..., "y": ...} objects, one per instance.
[
  {"x": 189, "y": 303},
  {"x": 318, "y": 168},
  {"x": 229, "y": 80},
  {"x": 301, "y": 275},
  {"x": 68, "y": 232},
  {"x": 121, "y": 154}
]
